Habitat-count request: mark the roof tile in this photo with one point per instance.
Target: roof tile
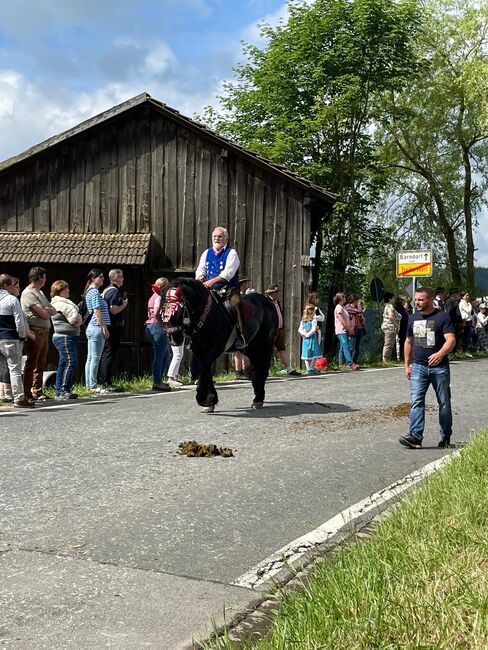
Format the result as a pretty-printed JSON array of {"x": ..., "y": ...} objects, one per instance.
[{"x": 73, "y": 248}]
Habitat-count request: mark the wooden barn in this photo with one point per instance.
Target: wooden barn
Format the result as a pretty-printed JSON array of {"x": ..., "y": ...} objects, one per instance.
[{"x": 141, "y": 187}]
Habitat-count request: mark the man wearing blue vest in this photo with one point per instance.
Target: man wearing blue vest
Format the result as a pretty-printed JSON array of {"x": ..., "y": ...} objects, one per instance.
[{"x": 219, "y": 269}]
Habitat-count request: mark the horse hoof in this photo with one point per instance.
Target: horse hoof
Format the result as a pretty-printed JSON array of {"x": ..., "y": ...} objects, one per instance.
[
  {"x": 208, "y": 409},
  {"x": 257, "y": 405}
]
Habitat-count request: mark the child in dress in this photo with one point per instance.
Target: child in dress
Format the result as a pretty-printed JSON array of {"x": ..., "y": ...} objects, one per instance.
[{"x": 308, "y": 330}]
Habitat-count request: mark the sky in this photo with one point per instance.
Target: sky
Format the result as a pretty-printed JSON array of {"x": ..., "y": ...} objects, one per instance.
[{"x": 63, "y": 61}]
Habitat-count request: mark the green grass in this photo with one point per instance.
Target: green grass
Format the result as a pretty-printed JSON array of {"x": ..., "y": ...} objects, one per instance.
[{"x": 421, "y": 580}]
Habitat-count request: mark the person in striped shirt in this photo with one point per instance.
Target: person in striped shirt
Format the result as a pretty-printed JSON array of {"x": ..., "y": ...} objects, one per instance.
[{"x": 97, "y": 329}]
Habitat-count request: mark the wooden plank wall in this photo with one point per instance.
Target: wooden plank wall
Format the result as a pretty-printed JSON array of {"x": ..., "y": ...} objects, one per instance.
[{"x": 146, "y": 173}]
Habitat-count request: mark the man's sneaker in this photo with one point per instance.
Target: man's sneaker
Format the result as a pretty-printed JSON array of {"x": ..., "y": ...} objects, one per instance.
[
  {"x": 174, "y": 383},
  {"x": 24, "y": 404},
  {"x": 410, "y": 442},
  {"x": 161, "y": 388},
  {"x": 444, "y": 443},
  {"x": 64, "y": 394},
  {"x": 294, "y": 373},
  {"x": 240, "y": 375}
]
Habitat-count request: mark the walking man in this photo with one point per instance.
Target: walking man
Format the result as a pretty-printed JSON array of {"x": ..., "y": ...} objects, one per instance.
[
  {"x": 430, "y": 338},
  {"x": 280, "y": 346}
]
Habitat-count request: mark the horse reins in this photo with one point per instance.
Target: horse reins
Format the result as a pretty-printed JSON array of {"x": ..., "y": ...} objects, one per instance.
[{"x": 205, "y": 312}]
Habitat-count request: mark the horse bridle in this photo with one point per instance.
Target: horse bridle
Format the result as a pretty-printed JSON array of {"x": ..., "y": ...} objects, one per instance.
[{"x": 175, "y": 301}]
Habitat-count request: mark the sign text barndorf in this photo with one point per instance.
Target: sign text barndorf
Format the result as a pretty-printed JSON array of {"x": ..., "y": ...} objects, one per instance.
[{"x": 414, "y": 263}]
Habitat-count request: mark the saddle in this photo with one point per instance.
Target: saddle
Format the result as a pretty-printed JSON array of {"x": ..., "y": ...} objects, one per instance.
[{"x": 235, "y": 317}]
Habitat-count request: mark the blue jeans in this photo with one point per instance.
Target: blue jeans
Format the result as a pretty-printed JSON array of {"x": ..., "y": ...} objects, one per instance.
[
  {"x": 156, "y": 335},
  {"x": 344, "y": 349},
  {"x": 357, "y": 343},
  {"x": 96, "y": 341},
  {"x": 422, "y": 377},
  {"x": 68, "y": 361}
]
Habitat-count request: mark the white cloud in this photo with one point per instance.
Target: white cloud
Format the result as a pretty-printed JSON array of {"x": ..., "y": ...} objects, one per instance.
[{"x": 159, "y": 58}]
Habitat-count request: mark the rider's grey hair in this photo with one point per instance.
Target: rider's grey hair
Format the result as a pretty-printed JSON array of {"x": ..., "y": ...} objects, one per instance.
[{"x": 224, "y": 230}]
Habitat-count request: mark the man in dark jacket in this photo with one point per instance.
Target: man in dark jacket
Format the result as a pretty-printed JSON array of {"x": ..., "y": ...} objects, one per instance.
[{"x": 117, "y": 305}]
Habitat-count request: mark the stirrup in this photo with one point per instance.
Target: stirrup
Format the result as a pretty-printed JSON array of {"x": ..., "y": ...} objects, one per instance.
[{"x": 240, "y": 343}]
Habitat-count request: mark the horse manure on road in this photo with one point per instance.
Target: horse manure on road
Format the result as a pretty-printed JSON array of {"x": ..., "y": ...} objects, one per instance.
[
  {"x": 401, "y": 410},
  {"x": 355, "y": 419},
  {"x": 197, "y": 450}
]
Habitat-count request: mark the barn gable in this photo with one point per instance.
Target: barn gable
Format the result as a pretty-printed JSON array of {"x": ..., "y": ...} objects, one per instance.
[{"x": 141, "y": 169}]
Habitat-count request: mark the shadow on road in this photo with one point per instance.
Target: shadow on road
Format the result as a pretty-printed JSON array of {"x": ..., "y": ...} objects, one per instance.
[{"x": 285, "y": 409}]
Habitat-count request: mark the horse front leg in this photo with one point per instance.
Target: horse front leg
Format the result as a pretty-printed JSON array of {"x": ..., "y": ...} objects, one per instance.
[{"x": 206, "y": 395}]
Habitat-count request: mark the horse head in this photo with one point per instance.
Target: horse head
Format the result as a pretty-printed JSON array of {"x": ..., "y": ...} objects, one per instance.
[{"x": 185, "y": 308}]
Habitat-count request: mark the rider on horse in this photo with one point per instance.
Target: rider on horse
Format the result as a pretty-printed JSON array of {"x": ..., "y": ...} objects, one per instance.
[{"x": 218, "y": 270}]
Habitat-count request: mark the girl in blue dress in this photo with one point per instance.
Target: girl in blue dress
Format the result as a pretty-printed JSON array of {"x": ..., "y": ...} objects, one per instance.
[{"x": 309, "y": 330}]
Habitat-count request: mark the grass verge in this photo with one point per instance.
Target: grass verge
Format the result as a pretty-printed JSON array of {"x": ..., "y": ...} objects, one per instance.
[{"x": 421, "y": 580}]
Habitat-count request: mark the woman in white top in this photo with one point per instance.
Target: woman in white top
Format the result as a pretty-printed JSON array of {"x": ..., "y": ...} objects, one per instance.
[
  {"x": 482, "y": 328},
  {"x": 467, "y": 317},
  {"x": 66, "y": 322}
]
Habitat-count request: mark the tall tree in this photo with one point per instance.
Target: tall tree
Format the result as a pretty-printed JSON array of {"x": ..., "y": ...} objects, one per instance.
[
  {"x": 307, "y": 100},
  {"x": 435, "y": 134}
]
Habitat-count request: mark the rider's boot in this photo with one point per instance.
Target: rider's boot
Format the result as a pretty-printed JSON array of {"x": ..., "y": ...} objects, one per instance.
[{"x": 240, "y": 343}]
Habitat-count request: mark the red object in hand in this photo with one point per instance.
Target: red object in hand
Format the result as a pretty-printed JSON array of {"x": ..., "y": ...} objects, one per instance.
[{"x": 321, "y": 363}]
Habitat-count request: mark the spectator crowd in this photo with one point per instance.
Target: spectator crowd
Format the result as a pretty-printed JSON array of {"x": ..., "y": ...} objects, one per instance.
[{"x": 26, "y": 318}]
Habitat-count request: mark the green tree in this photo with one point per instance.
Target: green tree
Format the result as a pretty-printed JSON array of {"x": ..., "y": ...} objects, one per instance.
[
  {"x": 435, "y": 136},
  {"x": 307, "y": 100}
]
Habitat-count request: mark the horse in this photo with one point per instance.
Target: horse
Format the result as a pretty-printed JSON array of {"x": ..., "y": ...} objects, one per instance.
[{"x": 194, "y": 313}]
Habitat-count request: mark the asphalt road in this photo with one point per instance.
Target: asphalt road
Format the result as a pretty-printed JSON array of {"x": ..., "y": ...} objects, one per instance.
[{"x": 109, "y": 538}]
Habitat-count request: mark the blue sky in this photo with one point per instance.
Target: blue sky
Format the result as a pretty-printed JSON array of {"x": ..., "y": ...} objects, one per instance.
[{"x": 62, "y": 61}]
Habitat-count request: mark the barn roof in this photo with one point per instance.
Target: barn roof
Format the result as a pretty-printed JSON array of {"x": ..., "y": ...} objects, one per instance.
[
  {"x": 145, "y": 98},
  {"x": 68, "y": 248}
]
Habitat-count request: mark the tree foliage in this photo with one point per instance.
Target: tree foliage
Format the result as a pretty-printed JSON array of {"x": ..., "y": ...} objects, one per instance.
[
  {"x": 308, "y": 99},
  {"x": 435, "y": 136}
]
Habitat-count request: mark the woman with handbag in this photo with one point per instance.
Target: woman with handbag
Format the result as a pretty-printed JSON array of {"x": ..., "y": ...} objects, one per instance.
[{"x": 66, "y": 322}]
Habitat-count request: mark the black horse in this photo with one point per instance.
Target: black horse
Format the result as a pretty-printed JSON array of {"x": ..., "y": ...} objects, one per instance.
[{"x": 191, "y": 311}]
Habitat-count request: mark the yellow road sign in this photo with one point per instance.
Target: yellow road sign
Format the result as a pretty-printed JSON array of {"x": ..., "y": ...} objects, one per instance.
[{"x": 417, "y": 263}]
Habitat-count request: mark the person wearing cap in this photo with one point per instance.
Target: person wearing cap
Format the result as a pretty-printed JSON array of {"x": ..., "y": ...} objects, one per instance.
[
  {"x": 218, "y": 270},
  {"x": 439, "y": 300},
  {"x": 272, "y": 293},
  {"x": 241, "y": 362}
]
